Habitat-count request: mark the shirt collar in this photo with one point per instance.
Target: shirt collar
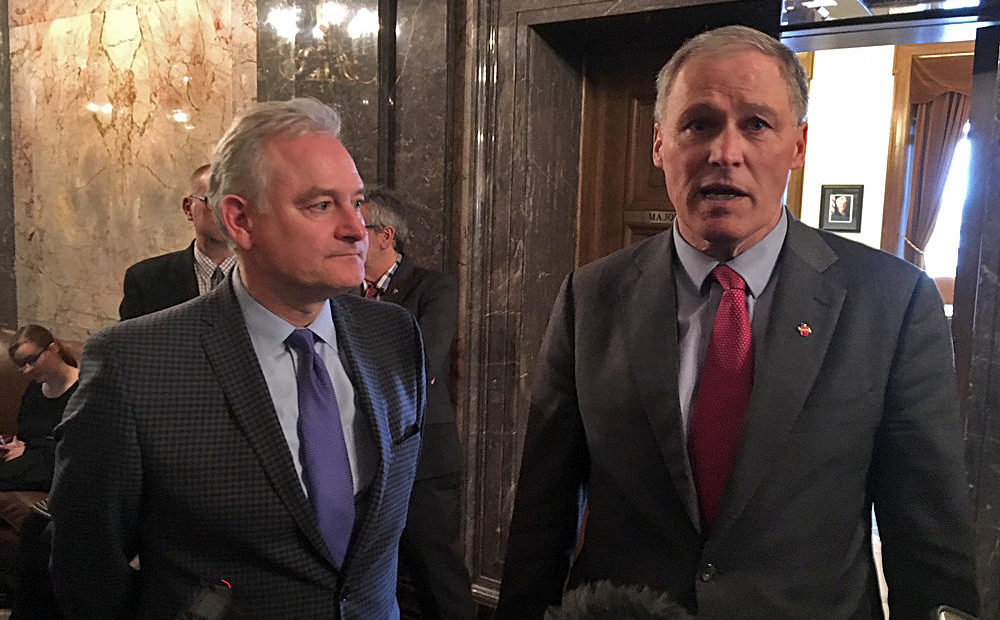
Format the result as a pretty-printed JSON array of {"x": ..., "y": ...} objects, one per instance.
[
  {"x": 754, "y": 264},
  {"x": 273, "y": 329},
  {"x": 382, "y": 284},
  {"x": 206, "y": 265}
]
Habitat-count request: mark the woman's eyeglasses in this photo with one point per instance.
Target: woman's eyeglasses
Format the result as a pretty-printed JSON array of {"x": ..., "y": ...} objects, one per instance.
[{"x": 31, "y": 359}]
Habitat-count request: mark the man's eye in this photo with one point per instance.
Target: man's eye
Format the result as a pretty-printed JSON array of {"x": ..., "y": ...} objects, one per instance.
[
  {"x": 359, "y": 202},
  {"x": 758, "y": 124},
  {"x": 322, "y": 206}
]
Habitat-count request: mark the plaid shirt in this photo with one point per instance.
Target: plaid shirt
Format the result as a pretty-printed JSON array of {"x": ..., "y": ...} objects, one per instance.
[{"x": 382, "y": 284}]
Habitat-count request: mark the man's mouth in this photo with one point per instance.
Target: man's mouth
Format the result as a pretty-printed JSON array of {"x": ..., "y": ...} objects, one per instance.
[{"x": 721, "y": 191}]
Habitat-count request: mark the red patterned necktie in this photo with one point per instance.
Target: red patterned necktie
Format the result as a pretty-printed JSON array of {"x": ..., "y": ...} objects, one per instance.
[
  {"x": 723, "y": 394},
  {"x": 371, "y": 291}
]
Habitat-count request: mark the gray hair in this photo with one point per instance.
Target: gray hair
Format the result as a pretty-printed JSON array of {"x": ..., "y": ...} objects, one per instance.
[
  {"x": 238, "y": 162},
  {"x": 385, "y": 209},
  {"x": 736, "y": 38}
]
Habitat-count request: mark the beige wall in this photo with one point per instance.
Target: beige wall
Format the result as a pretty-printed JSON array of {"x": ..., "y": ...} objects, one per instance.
[
  {"x": 850, "y": 111},
  {"x": 113, "y": 104}
]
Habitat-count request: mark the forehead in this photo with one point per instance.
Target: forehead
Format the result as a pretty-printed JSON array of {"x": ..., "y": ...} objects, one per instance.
[
  {"x": 729, "y": 78},
  {"x": 311, "y": 156},
  {"x": 26, "y": 349}
]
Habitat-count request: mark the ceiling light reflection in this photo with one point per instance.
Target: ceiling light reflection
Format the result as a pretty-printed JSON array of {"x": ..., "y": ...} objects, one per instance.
[
  {"x": 285, "y": 21},
  {"x": 365, "y": 23}
]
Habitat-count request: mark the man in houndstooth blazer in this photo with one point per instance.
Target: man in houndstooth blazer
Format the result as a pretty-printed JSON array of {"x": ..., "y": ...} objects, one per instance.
[{"x": 181, "y": 446}]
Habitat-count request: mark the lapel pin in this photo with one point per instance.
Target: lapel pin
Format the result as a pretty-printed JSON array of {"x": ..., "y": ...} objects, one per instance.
[{"x": 804, "y": 329}]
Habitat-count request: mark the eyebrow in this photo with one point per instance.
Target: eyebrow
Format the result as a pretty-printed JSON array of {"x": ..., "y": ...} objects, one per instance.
[
  {"x": 315, "y": 191},
  {"x": 702, "y": 108}
]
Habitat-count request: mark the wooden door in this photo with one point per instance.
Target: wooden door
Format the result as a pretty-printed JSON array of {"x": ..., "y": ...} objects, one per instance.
[{"x": 622, "y": 195}]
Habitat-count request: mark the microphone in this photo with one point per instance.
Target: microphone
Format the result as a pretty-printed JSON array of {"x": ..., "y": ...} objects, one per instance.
[{"x": 212, "y": 602}]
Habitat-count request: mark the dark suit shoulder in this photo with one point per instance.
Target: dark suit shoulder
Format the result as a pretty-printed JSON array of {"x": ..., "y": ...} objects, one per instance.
[
  {"x": 370, "y": 316},
  {"x": 605, "y": 276},
  {"x": 155, "y": 264},
  {"x": 865, "y": 266},
  {"x": 172, "y": 326}
]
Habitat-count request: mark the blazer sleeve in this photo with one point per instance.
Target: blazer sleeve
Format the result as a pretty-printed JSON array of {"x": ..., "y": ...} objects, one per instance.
[
  {"x": 437, "y": 314},
  {"x": 96, "y": 492},
  {"x": 554, "y": 463},
  {"x": 918, "y": 471},
  {"x": 131, "y": 304}
]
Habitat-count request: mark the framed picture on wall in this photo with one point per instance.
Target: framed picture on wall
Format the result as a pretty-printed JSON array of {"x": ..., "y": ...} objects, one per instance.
[{"x": 840, "y": 208}]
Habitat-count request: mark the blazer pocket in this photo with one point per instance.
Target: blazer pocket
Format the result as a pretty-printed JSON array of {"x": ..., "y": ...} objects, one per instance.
[{"x": 408, "y": 433}]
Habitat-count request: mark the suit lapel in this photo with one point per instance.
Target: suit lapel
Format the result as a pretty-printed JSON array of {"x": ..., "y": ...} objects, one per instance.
[
  {"x": 401, "y": 282},
  {"x": 227, "y": 345},
  {"x": 183, "y": 278},
  {"x": 788, "y": 364},
  {"x": 350, "y": 341},
  {"x": 651, "y": 325}
]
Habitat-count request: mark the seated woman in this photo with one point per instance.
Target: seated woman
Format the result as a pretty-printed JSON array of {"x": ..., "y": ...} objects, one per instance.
[{"x": 26, "y": 460}]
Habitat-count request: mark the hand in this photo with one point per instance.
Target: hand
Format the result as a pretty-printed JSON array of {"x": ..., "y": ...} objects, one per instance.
[{"x": 12, "y": 449}]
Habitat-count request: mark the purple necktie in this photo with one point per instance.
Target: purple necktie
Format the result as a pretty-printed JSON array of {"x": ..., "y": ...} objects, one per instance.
[{"x": 326, "y": 468}]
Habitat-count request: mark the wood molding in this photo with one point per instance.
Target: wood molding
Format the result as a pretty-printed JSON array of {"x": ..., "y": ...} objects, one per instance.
[
  {"x": 899, "y": 135},
  {"x": 793, "y": 195}
]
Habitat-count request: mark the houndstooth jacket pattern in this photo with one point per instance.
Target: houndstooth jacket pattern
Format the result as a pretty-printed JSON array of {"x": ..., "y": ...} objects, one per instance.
[{"x": 171, "y": 449}]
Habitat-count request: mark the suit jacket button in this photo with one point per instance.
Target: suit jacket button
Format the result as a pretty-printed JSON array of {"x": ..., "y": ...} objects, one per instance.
[
  {"x": 345, "y": 593},
  {"x": 707, "y": 572}
]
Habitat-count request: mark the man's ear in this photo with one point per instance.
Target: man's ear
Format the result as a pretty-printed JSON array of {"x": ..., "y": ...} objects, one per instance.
[
  {"x": 387, "y": 238},
  {"x": 657, "y": 143},
  {"x": 799, "y": 157},
  {"x": 186, "y": 207},
  {"x": 237, "y": 217}
]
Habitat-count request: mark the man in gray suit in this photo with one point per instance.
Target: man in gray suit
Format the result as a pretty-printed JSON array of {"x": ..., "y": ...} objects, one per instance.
[
  {"x": 192, "y": 441},
  {"x": 731, "y": 444}
]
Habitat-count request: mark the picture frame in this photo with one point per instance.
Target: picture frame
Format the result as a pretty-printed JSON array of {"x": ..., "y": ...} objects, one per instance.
[{"x": 840, "y": 207}]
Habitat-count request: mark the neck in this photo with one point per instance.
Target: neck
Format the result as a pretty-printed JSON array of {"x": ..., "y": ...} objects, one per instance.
[
  {"x": 57, "y": 385},
  {"x": 376, "y": 270},
  {"x": 286, "y": 303},
  {"x": 216, "y": 250}
]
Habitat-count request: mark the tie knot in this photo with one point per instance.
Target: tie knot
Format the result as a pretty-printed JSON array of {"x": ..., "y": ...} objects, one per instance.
[
  {"x": 217, "y": 276},
  {"x": 728, "y": 278},
  {"x": 302, "y": 340}
]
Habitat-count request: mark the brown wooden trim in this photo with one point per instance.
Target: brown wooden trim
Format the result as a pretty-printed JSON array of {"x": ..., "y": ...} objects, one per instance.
[
  {"x": 895, "y": 172},
  {"x": 793, "y": 196}
]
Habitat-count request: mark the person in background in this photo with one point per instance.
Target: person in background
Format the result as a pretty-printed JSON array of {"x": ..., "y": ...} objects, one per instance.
[
  {"x": 26, "y": 459},
  {"x": 430, "y": 551},
  {"x": 265, "y": 433},
  {"x": 173, "y": 278},
  {"x": 733, "y": 397}
]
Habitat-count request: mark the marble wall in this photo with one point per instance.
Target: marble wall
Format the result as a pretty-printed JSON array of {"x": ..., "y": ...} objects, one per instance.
[{"x": 113, "y": 103}]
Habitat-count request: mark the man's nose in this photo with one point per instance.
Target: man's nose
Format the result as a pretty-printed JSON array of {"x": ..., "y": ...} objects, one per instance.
[
  {"x": 354, "y": 227},
  {"x": 727, "y": 147}
]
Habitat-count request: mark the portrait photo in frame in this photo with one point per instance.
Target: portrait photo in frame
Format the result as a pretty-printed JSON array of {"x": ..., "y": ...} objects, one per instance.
[{"x": 840, "y": 207}]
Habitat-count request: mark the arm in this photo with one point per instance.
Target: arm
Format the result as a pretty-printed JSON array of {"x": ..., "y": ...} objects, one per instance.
[
  {"x": 96, "y": 493},
  {"x": 554, "y": 465},
  {"x": 918, "y": 471},
  {"x": 437, "y": 315}
]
